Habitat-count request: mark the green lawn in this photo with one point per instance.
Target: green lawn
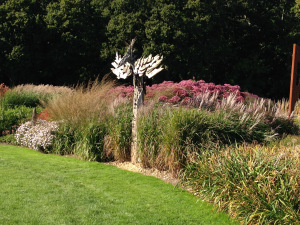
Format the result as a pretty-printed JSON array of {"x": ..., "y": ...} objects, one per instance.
[{"x": 46, "y": 189}]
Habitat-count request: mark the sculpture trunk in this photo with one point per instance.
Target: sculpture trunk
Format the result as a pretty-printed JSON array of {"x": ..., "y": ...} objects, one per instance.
[
  {"x": 138, "y": 101},
  {"x": 126, "y": 66}
]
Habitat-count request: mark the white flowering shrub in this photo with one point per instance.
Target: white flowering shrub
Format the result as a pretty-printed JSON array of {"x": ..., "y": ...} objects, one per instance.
[{"x": 38, "y": 137}]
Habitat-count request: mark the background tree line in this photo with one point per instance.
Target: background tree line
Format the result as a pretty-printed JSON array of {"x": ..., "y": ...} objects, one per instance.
[{"x": 61, "y": 42}]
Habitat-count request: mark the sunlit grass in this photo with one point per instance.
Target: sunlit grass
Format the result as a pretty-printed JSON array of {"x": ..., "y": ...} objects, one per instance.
[{"x": 49, "y": 189}]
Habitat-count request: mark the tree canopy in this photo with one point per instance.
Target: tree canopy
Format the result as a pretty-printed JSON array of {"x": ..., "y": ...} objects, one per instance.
[{"x": 244, "y": 42}]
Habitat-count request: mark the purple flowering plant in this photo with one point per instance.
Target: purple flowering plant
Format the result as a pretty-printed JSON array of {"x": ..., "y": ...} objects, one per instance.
[{"x": 186, "y": 91}]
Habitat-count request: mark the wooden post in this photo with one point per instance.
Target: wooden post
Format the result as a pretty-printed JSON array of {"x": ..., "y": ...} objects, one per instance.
[
  {"x": 295, "y": 82},
  {"x": 138, "y": 101},
  {"x": 34, "y": 117}
]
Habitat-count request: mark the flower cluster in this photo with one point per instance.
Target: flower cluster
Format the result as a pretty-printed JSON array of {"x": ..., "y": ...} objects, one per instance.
[
  {"x": 187, "y": 91},
  {"x": 3, "y": 89},
  {"x": 39, "y": 136},
  {"x": 44, "y": 115}
]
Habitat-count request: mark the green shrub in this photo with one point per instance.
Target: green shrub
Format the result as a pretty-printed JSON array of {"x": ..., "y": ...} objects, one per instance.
[
  {"x": 258, "y": 185},
  {"x": 9, "y": 139},
  {"x": 108, "y": 137},
  {"x": 14, "y": 98},
  {"x": 11, "y": 118}
]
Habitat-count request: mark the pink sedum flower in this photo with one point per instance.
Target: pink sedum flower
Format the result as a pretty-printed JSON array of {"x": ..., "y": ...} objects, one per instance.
[
  {"x": 186, "y": 100},
  {"x": 163, "y": 98},
  {"x": 175, "y": 99},
  {"x": 182, "y": 93}
]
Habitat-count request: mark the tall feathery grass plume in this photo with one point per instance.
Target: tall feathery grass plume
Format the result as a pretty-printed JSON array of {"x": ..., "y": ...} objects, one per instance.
[
  {"x": 43, "y": 89},
  {"x": 84, "y": 103}
]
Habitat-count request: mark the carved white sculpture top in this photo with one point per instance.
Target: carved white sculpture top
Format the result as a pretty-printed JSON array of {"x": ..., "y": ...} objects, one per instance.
[{"x": 149, "y": 66}]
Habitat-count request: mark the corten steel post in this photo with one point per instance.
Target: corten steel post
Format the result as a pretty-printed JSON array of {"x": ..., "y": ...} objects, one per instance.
[{"x": 295, "y": 82}]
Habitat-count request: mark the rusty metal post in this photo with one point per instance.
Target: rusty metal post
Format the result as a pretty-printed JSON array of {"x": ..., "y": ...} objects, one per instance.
[{"x": 295, "y": 82}]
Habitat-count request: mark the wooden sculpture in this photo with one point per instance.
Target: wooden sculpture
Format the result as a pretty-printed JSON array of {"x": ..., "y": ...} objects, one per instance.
[{"x": 125, "y": 66}]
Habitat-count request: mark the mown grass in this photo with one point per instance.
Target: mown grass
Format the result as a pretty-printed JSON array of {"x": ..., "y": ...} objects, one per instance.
[{"x": 48, "y": 189}]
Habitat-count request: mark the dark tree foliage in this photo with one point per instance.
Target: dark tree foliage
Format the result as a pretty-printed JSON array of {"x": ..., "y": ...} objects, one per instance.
[{"x": 244, "y": 42}]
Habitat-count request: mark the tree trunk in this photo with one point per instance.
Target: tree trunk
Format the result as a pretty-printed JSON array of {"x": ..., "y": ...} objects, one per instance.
[{"x": 138, "y": 101}]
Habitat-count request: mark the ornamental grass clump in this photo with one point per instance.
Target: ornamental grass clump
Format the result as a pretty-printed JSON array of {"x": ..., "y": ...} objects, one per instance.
[
  {"x": 39, "y": 137},
  {"x": 171, "y": 137},
  {"x": 85, "y": 103},
  {"x": 92, "y": 126},
  {"x": 43, "y": 89},
  {"x": 89, "y": 141},
  {"x": 118, "y": 137},
  {"x": 259, "y": 110},
  {"x": 256, "y": 184}
]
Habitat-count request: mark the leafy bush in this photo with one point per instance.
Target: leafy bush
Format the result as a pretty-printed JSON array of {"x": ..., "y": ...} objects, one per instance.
[
  {"x": 38, "y": 137},
  {"x": 150, "y": 137},
  {"x": 9, "y": 139},
  {"x": 31, "y": 95},
  {"x": 170, "y": 137},
  {"x": 89, "y": 141},
  {"x": 258, "y": 185},
  {"x": 13, "y": 98},
  {"x": 11, "y": 118}
]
